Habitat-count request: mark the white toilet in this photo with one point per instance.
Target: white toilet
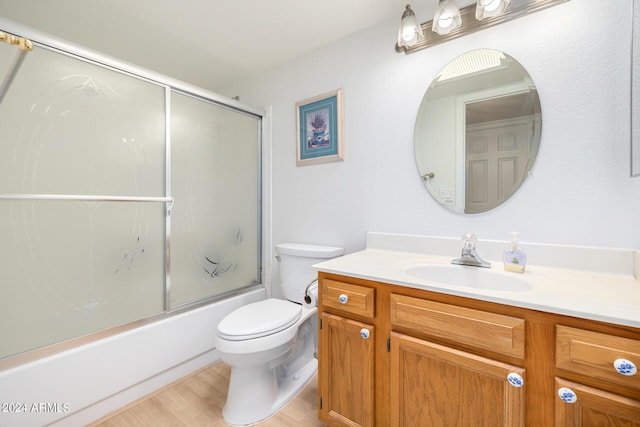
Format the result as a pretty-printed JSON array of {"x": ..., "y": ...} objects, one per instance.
[{"x": 271, "y": 344}]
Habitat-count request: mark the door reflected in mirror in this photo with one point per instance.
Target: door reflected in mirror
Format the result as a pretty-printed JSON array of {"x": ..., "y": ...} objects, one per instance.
[{"x": 478, "y": 131}]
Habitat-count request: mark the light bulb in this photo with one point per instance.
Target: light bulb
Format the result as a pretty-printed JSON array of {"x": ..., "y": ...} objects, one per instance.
[
  {"x": 447, "y": 17},
  {"x": 410, "y": 31},
  {"x": 445, "y": 21},
  {"x": 490, "y": 8},
  {"x": 490, "y": 5}
]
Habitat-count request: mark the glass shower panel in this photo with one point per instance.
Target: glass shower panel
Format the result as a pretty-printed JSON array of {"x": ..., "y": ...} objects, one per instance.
[
  {"x": 71, "y": 268},
  {"x": 74, "y": 129},
  {"x": 68, "y": 126},
  {"x": 215, "y": 233}
]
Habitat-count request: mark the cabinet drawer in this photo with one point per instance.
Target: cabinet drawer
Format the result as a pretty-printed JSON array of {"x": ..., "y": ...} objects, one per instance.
[
  {"x": 502, "y": 334},
  {"x": 348, "y": 297},
  {"x": 593, "y": 354}
]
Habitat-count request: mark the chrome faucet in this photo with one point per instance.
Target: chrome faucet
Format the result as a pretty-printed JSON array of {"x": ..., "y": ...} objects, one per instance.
[{"x": 469, "y": 255}]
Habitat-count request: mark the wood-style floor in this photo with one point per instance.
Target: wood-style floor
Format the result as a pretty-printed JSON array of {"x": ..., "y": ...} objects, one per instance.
[{"x": 197, "y": 401}]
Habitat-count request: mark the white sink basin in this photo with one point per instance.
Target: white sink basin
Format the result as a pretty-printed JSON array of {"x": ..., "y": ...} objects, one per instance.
[{"x": 469, "y": 277}]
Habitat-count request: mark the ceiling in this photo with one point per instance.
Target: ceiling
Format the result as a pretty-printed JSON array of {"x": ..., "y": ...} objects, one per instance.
[
  {"x": 205, "y": 42},
  {"x": 209, "y": 43}
]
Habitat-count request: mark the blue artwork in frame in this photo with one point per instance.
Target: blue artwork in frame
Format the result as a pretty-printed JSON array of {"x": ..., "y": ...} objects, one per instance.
[{"x": 320, "y": 129}]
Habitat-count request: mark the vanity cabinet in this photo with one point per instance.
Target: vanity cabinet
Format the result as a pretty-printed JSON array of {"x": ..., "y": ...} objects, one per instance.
[
  {"x": 594, "y": 360},
  {"x": 433, "y": 359},
  {"x": 346, "y": 354},
  {"x": 434, "y": 384}
]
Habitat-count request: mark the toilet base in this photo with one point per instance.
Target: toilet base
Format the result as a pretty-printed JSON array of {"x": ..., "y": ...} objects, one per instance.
[{"x": 266, "y": 394}]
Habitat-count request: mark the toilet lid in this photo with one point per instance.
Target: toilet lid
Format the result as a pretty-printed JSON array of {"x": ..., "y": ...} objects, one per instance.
[{"x": 259, "y": 319}]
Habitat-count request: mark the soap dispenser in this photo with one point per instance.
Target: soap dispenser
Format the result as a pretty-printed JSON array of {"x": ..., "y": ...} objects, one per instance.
[{"x": 514, "y": 258}]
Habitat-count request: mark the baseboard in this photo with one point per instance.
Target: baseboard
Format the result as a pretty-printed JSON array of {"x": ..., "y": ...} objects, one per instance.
[{"x": 111, "y": 406}]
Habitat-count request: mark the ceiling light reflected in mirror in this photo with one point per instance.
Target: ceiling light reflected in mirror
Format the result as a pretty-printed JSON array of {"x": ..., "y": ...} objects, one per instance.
[{"x": 474, "y": 62}]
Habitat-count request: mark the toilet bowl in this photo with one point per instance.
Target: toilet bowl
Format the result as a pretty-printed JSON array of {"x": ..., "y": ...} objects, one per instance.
[{"x": 271, "y": 344}]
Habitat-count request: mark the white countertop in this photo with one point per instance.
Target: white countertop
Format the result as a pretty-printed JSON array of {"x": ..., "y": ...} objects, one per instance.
[{"x": 600, "y": 285}]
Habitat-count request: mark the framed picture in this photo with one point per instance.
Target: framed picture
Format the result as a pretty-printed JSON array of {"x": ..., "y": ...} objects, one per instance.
[{"x": 320, "y": 129}]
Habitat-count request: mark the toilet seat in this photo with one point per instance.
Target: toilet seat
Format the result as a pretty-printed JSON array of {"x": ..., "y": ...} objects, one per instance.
[{"x": 259, "y": 319}]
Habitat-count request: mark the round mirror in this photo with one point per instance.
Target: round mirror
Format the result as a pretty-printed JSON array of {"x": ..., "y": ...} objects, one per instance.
[{"x": 477, "y": 131}]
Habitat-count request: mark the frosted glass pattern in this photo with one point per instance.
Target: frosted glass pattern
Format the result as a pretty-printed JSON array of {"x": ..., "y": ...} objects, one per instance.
[
  {"x": 72, "y": 127},
  {"x": 215, "y": 186},
  {"x": 71, "y": 268}
]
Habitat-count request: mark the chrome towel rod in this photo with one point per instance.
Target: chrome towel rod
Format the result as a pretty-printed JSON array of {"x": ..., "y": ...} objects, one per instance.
[{"x": 84, "y": 198}]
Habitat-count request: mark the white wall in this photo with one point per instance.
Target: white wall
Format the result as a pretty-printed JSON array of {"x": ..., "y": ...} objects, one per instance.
[{"x": 578, "y": 54}]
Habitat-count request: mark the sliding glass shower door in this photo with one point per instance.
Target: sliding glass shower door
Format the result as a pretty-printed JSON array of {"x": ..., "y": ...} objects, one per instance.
[
  {"x": 121, "y": 198},
  {"x": 214, "y": 222}
]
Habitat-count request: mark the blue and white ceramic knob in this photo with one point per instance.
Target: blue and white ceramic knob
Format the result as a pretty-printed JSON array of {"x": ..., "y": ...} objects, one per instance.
[
  {"x": 515, "y": 379},
  {"x": 364, "y": 333},
  {"x": 625, "y": 367},
  {"x": 567, "y": 395},
  {"x": 343, "y": 299}
]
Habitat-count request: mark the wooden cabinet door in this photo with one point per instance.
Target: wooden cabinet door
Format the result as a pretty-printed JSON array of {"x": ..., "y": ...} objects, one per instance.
[
  {"x": 437, "y": 386},
  {"x": 594, "y": 408},
  {"x": 346, "y": 372}
]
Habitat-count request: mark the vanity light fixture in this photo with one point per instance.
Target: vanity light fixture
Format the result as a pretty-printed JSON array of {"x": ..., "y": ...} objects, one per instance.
[
  {"x": 477, "y": 16},
  {"x": 447, "y": 17},
  {"x": 490, "y": 8},
  {"x": 410, "y": 31}
]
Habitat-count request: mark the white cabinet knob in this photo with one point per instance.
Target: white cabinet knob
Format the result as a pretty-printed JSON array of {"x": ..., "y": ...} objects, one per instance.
[
  {"x": 343, "y": 299},
  {"x": 515, "y": 379},
  {"x": 364, "y": 333},
  {"x": 625, "y": 367},
  {"x": 567, "y": 395}
]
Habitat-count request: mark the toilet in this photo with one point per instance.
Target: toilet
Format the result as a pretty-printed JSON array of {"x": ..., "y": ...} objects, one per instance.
[{"x": 271, "y": 344}]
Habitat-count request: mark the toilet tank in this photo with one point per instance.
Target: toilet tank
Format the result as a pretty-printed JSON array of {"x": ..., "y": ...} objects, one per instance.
[{"x": 295, "y": 261}]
